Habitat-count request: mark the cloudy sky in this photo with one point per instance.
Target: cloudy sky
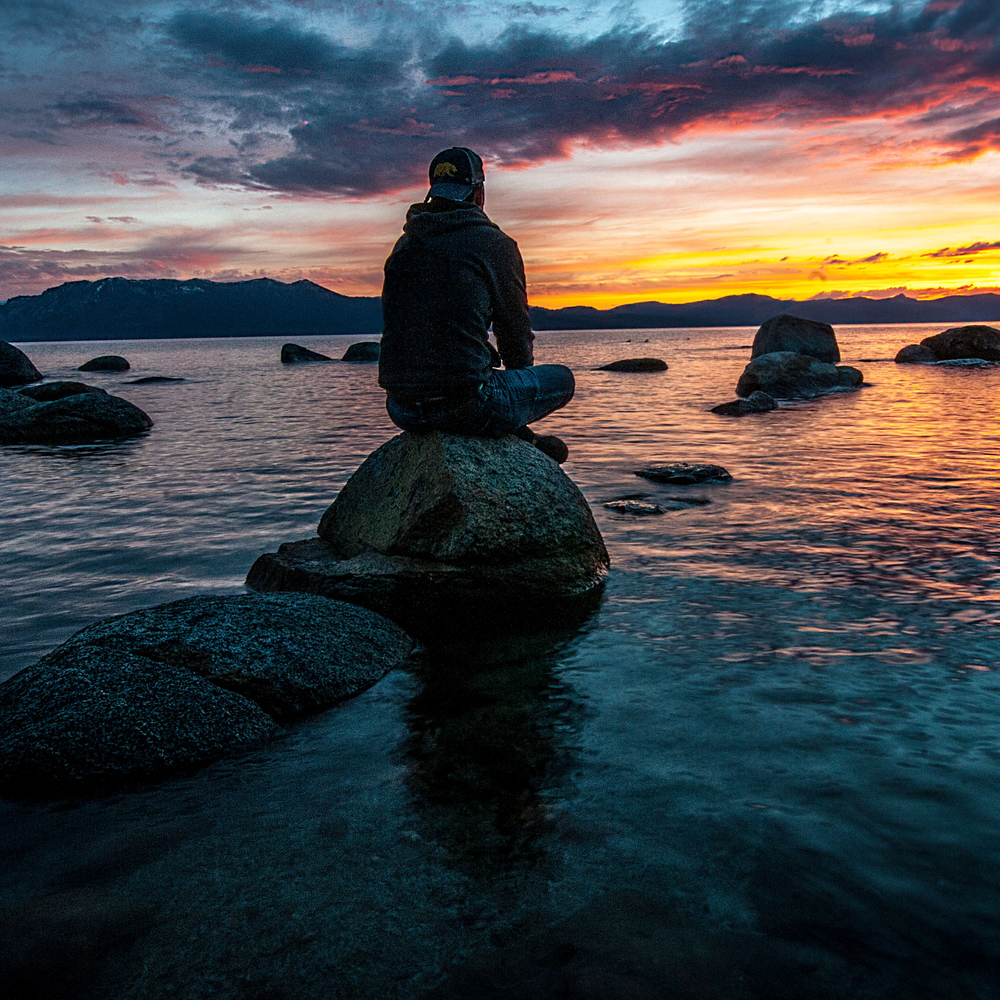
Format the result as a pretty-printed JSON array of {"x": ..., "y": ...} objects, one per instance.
[{"x": 672, "y": 150}]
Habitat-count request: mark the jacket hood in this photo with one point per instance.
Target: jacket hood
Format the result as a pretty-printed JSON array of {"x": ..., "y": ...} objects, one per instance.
[{"x": 423, "y": 220}]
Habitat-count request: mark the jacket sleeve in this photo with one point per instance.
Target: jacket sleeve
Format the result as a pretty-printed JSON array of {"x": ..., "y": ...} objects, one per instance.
[{"x": 511, "y": 323}]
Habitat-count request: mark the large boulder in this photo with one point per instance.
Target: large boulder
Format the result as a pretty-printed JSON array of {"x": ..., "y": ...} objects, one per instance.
[
  {"x": 915, "y": 354},
  {"x": 786, "y": 375},
  {"x": 15, "y": 367},
  {"x": 293, "y": 354},
  {"x": 797, "y": 335},
  {"x": 965, "y": 342},
  {"x": 433, "y": 525},
  {"x": 76, "y": 418},
  {"x": 165, "y": 689},
  {"x": 365, "y": 353},
  {"x": 105, "y": 363}
]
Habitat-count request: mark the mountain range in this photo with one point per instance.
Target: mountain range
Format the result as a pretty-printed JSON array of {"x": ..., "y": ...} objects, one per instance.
[{"x": 128, "y": 309}]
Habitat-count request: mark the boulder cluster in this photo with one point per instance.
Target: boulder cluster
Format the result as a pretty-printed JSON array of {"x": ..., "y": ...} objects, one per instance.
[
  {"x": 791, "y": 358},
  {"x": 959, "y": 343},
  {"x": 363, "y": 353}
]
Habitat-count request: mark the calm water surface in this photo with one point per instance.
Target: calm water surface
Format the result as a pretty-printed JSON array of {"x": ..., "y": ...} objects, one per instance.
[{"x": 767, "y": 766}]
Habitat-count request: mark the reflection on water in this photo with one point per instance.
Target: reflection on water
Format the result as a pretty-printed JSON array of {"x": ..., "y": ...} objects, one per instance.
[
  {"x": 492, "y": 730},
  {"x": 766, "y": 767}
]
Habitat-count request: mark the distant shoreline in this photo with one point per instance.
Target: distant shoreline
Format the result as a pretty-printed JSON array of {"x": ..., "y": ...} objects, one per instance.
[{"x": 114, "y": 309}]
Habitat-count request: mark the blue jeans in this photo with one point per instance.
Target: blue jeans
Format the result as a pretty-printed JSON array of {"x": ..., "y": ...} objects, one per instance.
[{"x": 504, "y": 404}]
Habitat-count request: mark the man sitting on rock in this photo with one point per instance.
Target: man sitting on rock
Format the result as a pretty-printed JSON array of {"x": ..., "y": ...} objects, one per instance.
[{"x": 450, "y": 276}]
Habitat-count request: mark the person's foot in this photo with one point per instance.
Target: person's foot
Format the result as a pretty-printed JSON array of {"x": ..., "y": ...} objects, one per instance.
[{"x": 555, "y": 448}]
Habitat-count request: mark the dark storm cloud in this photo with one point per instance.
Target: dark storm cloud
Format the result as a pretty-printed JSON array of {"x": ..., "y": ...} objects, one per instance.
[
  {"x": 372, "y": 116},
  {"x": 104, "y": 113}
]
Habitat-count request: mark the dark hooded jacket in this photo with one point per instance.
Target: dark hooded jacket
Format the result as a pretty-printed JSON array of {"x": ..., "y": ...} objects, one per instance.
[{"x": 450, "y": 275}]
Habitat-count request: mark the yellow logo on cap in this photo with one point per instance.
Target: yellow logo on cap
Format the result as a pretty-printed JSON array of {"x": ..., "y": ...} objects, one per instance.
[{"x": 445, "y": 170}]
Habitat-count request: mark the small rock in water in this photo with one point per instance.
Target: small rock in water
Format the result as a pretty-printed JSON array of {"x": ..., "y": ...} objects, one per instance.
[
  {"x": 294, "y": 354},
  {"x": 150, "y": 379},
  {"x": 915, "y": 354},
  {"x": 365, "y": 353},
  {"x": 635, "y": 507},
  {"x": 685, "y": 474},
  {"x": 756, "y": 402},
  {"x": 48, "y": 392},
  {"x": 106, "y": 363},
  {"x": 966, "y": 363},
  {"x": 788, "y": 375},
  {"x": 635, "y": 365},
  {"x": 16, "y": 367},
  {"x": 74, "y": 418}
]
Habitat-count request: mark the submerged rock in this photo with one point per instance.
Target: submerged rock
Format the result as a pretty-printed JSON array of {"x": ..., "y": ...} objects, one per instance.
[
  {"x": 974, "y": 341},
  {"x": 73, "y": 418},
  {"x": 637, "y": 507},
  {"x": 685, "y": 474},
  {"x": 364, "y": 353},
  {"x": 915, "y": 354},
  {"x": 106, "y": 363},
  {"x": 151, "y": 379},
  {"x": 635, "y": 365},
  {"x": 292, "y": 354},
  {"x": 433, "y": 524},
  {"x": 16, "y": 367},
  {"x": 164, "y": 689},
  {"x": 787, "y": 375},
  {"x": 48, "y": 392},
  {"x": 798, "y": 336},
  {"x": 756, "y": 402}
]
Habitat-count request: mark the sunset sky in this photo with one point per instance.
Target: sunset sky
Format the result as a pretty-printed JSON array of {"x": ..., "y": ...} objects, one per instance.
[{"x": 672, "y": 150}]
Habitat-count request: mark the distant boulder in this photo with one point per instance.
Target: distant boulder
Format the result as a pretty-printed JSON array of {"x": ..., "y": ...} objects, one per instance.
[
  {"x": 756, "y": 402},
  {"x": 76, "y": 418},
  {"x": 685, "y": 474},
  {"x": 798, "y": 336},
  {"x": 786, "y": 375},
  {"x": 106, "y": 363},
  {"x": 15, "y": 367},
  {"x": 635, "y": 365},
  {"x": 48, "y": 392},
  {"x": 981, "y": 342},
  {"x": 439, "y": 530},
  {"x": 154, "y": 379},
  {"x": 364, "y": 353},
  {"x": 915, "y": 354},
  {"x": 166, "y": 689},
  {"x": 293, "y": 354}
]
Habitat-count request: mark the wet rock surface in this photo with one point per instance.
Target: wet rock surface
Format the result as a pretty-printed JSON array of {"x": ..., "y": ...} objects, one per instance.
[
  {"x": 915, "y": 354},
  {"x": 292, "y": 354},
  {"x": 685, "y": 474},
  {"x": 106, "y": 363},
  {"x": 786, "y": 375},
  {"x": 16, "y": 367},
  {"x": 756, "y": 402},
  {"x": 164, "y": 689},
  {"x": 48, "y": 392},
  {"x": 433, "y": 522},
  {"x": 974, "y": 341},
  {"x": 797, "y": 335},
  {"x": 367, "y": 352},
  {"x": 72, "y": 417},
  {"x": 635, "y": 365}
]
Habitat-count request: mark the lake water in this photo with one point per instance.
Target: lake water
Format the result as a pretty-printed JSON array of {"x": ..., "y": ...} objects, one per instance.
[{"x": 767, "y": 766}]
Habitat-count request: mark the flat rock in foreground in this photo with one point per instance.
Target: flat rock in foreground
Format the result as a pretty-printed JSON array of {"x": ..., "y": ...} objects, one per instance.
[
  {"x": 787, "y": 375},
  {"x": 164, "y": 689},
  {"x": 433, "y": 524},
  {"x": 800, "y": 336},
  {"x": 16, "y": 367}
]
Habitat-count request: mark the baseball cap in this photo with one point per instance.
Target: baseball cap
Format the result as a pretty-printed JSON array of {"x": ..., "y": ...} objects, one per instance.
[{"x": 455, "y": 172}]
